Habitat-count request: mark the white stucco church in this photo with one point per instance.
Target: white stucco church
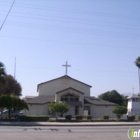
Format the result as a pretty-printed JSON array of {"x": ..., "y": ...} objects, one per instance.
[
  {"x": 133, "y": 106},
  {"x": 74, "y": 92}
]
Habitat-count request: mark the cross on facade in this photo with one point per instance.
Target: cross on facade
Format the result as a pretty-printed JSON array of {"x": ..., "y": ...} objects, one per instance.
[{"x": 66, "y": 65}]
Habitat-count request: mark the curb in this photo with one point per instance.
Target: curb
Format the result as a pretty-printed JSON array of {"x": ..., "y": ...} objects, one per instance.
[{"x": 63, "y": 125}]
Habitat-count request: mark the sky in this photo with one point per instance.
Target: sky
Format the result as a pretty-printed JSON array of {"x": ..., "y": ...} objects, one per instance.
[{"x": 100, "y": 39}]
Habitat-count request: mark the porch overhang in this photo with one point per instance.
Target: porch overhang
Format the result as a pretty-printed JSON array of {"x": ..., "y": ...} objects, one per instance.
[{"x": 76, "y": 103}]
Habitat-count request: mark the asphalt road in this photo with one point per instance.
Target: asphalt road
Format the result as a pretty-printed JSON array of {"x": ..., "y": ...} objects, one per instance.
[{"x": 65, "y": 133}]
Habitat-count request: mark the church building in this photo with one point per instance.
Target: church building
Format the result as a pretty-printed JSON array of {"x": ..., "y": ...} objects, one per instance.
[
  {"x": 133, "y": 106},
  {"x": 74, "y": 92}
]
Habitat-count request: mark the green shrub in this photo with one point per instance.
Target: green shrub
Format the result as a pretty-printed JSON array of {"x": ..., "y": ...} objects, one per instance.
[
  {"x": 105, "y": 117},
  {"x": 130, "y": 118},
  {"x": 89, "y": 117},
  {"x": 34, "y": 118},
  {"x": 78, "y": 117},
  {"x": 118, "y": 116},
  {"x": 138, "y": 118},
  {"x": 68, "y": 117}
]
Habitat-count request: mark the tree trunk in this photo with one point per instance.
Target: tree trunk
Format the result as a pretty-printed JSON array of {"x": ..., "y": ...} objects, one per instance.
[
  {"x": 139, "y": 79},
  {"x": 56, "y": 115},
  {"x": 9, "y": 112}
]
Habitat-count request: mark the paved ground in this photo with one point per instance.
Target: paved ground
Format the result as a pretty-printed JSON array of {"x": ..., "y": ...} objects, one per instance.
[{"x": 65, "y": 133}]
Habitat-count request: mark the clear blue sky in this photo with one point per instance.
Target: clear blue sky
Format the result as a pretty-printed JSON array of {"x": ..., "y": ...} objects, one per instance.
[{"x": 99, "y": 38}]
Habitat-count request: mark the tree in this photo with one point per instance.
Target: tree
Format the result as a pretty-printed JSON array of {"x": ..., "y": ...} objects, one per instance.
[
  {"x": 119, "y": 111},
  {"x": 12, "y": 102},
  {"x": 2, "y": 73},
  {"x": 10, "y": 86},
  {"x": 58, "y": 108},
  {"x": 112, "y": 96},
  {"x": 137, "y": 63},
  {"x": 125, "y": 100}
]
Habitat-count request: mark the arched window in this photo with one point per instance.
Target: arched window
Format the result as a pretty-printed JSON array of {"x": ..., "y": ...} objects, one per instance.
[{"x": 69, "y": 97}]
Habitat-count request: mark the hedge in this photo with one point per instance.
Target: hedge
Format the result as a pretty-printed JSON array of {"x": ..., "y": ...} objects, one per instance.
[
  {"x": 78, "y": 117},
  {"x": 89, "y": 117},
  {"x": 34, "y": 118},
  {"x": 105, "y": 117},
  {"x": 130, "y": 118},
  {"x": 138, "y": 118},
  {"x": 68, "y": 117}
]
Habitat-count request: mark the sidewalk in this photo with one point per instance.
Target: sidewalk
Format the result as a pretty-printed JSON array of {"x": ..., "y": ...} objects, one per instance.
[{"x": 69, "y": 124}]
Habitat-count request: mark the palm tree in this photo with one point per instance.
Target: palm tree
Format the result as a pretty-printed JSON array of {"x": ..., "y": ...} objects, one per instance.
[
  {"x": 137, "y": 62},
  {"x": 2, "y": 72}
]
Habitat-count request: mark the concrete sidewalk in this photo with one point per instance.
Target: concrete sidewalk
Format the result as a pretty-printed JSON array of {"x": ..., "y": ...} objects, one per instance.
[{"x": 69, "y": 124}]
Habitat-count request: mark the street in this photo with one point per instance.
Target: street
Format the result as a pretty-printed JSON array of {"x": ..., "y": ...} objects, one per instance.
[{"x": 64, "y": 133}]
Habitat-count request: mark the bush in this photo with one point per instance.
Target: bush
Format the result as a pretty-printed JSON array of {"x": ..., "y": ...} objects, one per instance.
[
  {"x": 118, "y": 116},
  {"x": 68, "y": 117},
  {"x": 89, "y": 117},
  {"x": 138, "y": 118},
  {"x": 106, "y": 117},
  {"x": 78, "y": 117},
  {"x": 34, "y": 118},
  {"x": 130, "y": 118},
  {"x": 119, "y": 111}
]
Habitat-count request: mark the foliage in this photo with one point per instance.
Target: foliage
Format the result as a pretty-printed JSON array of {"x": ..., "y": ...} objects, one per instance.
[
  {"x": 2, "y": 73},
  {"x": 105, "y": 117},
  {"x": 112, "y": 96},
  {"x": 125, "y": 100},
  {"x": 12, "y": 102},
  {"x": 2, "y": 69},
  {"x": 10, "y": 86},
  {"x": 89, "y": 117},
  {"x": 34, "y": 118},
  {"x": 119, "y": 111},
  {"x": 58, "y": 107},
  {"x": 130, "y": 118},
  {"x": 68, "y": 117},
  {"x": 137, "y": 62},
  {"x": 138, "y": 118},
  {"x": 78, "y": 117}
]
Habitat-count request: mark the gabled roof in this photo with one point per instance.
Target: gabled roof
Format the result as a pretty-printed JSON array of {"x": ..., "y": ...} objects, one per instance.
[
  {"x": 41, "y": 100},
  {"x": 69, "y": 88},
  {"x": 133, "y": 96},
  {"x": 60, "y": 78},
  {"x": 96, "y": 101}
]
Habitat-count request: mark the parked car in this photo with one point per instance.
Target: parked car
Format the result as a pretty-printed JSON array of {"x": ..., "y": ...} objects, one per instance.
[{"x": 13, "y": 114}]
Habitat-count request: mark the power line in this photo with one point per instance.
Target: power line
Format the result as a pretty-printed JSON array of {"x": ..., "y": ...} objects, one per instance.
[
  {"x": 96, "y": 24},
  {"x": 90, "y": 44},
  {"x": 41, "y": 17},
  {"x": 85, "y": 31},
  {"x": 74, "y": 11},
  {"x": 7, "y": 15}
]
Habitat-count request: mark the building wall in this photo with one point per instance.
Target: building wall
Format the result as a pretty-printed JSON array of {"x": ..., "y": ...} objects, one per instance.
[
  {"x": 100, "y": 111},
  {"x": 131, "y": 104},
  {"x": 52, "y": 87},
  {"x": 39, "y": 110},
  {"x": 133, "y": 108}
]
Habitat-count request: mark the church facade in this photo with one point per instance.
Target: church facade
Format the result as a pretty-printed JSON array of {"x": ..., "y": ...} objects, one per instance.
[{"x": 72, "y": 91}]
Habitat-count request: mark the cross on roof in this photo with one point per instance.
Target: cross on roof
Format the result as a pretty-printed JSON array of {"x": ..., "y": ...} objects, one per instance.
[{"x": 66, "y": 65}]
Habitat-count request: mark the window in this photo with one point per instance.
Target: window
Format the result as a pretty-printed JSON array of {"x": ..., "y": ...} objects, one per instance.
[{"x": 69, "y": 97}]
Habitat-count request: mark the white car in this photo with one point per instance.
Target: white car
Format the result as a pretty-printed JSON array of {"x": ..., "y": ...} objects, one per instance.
[{"x": 12, "y": 114}]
